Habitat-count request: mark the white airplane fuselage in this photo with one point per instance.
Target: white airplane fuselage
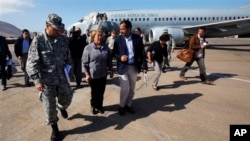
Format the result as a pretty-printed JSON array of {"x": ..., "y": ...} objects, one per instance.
[{"x": 179, "y": 22}]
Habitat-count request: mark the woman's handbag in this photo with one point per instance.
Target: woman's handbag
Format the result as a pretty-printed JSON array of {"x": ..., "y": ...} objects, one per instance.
[{"x": 185, "y": 54}]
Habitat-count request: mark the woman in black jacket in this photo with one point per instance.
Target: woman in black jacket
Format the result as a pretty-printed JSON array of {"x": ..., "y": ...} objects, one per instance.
[{"x": 155, "y": 54}]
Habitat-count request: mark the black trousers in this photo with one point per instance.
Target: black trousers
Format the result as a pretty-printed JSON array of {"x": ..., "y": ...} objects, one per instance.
[{"x": 97, "y": 91}]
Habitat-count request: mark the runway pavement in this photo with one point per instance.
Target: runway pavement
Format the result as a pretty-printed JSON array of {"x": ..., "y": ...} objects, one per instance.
[{"x": 179, "y": 111}]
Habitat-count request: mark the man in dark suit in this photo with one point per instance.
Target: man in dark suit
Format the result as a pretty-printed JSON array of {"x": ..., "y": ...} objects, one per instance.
[
  {"x": 130, "y": 54},
  {"x": 4, "y": 52},
  {"x": 22, "y": 45}
]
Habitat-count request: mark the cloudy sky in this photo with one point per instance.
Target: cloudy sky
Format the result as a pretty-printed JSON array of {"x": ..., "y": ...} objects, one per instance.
[{"x": 31, "y": 14}]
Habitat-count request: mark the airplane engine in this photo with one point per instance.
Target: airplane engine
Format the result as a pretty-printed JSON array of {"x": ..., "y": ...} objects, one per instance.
[{"x": 177, "y": 34}]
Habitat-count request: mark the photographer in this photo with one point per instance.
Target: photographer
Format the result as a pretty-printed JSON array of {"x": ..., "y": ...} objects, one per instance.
[{"x": 76, "y": 46}]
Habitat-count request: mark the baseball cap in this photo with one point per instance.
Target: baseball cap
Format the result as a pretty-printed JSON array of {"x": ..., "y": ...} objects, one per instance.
[{"x": 55, "y": 21}]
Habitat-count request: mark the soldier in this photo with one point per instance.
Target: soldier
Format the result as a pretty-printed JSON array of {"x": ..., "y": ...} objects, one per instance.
[
  {"x": 170, "y": 48},
  {"x": 47, "y": 57}
]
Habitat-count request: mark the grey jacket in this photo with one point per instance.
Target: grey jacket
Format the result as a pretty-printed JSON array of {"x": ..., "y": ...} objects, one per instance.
[
  {"x": 47, "y": 58},
  {"x": 97, "y": 61}
]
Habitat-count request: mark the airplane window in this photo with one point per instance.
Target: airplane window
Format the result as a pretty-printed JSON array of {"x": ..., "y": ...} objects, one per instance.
[
  {"x": 131, "y": 19},
  {"x": 166, "y": 19},
  {"x": 188, "y": 18},
  {"x": 184, "y": 18},
  {"x": 225, "y": 18},
  {"x": 143, "y": 19},
  {"x": 170, "y": 19},
  {"x": 197, "y": 18},
  {"x": 116, "y": 20},
  {"x": 120, "y": 19},
  {"x": 217, "y": 18},
  {"x": 162, "y": 19},
  {"x": 201, "y": 18},
  {"x": 193, "y": 18},
  {"x": 213, "y": 18},
  {"x": 135, "y": 19},
  {"x": 238, "y": 17},
  {"x": 155, "y": 19},
  {"x": 179, "y": 19},
  {"x": 139, "y": 19},
  {"x": 175, "y": 19},
  {"x": 243, "y": 17},
  {"x": 205, "y": 18},
  {"x": 147, "y": 19},
  {"x": 159, "y": 19},
  {"x": 230, "y": 18}
]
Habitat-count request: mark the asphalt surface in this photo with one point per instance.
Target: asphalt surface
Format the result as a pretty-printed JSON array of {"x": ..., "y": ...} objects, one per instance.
[{"x": 179, "y": 111}]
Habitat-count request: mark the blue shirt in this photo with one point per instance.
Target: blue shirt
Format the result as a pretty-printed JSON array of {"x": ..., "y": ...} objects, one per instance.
[
  {"x": 130, "y": 47},
  {"x": 26, "y": 46}
]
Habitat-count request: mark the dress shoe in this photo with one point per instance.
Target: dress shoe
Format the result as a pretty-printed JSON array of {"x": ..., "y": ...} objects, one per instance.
[
  {"x": 94, "y": 110},
  {"x": 121, "y": 110},
  {"x": 4, "y": 88},
  {"x": 55, "y": 136},
  {"x": 129, "y": 109},
  {"x": 64, "y": 113},
  {"x": 183, "y": 78},
  {"x": 155, "y": 87},
  {"x": 208, "y": 82},
  {"x": 101, "y": 110}
]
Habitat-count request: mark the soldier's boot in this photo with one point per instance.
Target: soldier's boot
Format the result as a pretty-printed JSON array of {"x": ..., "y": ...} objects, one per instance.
[{"x": 55, "y": 136}]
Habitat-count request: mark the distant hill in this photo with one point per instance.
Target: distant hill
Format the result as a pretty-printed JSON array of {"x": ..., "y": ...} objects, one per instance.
[{"x": 8, "y": 30}]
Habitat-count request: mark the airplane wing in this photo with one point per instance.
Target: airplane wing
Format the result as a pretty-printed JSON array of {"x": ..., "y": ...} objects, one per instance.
[{"x": 219, "y": 28}]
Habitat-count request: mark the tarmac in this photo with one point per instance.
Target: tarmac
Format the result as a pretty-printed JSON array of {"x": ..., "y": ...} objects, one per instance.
[{"x": 179, "y": 111}]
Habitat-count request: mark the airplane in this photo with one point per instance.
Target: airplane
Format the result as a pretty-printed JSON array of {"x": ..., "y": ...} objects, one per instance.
[{"x": 180, "y": 23}]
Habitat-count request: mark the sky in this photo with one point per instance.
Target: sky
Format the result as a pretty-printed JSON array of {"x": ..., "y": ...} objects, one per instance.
[{"x": 32, "y": 14}]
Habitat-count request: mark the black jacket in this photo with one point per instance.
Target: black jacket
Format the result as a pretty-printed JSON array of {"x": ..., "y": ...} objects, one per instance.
[
  {"x": 76, "y": 46},
  {"x": 120, "y": 48},
  {"x": 4, "y": 50},
  {"x": 159, "y": 51},
  {"x": 19, "y": 46}
]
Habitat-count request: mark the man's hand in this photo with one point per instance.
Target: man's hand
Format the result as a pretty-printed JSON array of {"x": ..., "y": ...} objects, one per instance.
[
  {"x": 124, "y": 58},
  {"x": 39, "y": 87}
]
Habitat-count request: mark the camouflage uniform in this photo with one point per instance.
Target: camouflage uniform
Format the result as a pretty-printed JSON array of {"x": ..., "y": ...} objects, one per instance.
[
  {"x": 170, "y": 45},
  {"x": 46, "y": 60}
]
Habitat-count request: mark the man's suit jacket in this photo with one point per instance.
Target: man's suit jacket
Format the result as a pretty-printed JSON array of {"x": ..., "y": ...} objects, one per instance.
[
  {"x": 120, "y": 48},
  {"x": 195, "y": 45},
  {"x": 19, "y": 46}
]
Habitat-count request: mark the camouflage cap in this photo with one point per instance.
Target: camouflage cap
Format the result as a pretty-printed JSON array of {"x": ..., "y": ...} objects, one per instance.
[{"x": 55, "y": 21}]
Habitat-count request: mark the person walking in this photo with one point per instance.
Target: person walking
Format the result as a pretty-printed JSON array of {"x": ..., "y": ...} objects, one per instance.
[
  {"x": 76, "y": 46},
  {"x": 130, "y": 54},
  {"x": 170, "y": 48},
  {"x": 160, "y": 50},
  {"x": 21, "y": 49},
  {"x": 97, "y": 63},
  {"x": 4, "y": 53},
  {"x": 47, "y": 57},
  {"x": 198, "y": 44}
]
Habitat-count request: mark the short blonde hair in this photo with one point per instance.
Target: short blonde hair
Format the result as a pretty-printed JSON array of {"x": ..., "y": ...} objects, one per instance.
[{"x": 93, "y": 33}]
